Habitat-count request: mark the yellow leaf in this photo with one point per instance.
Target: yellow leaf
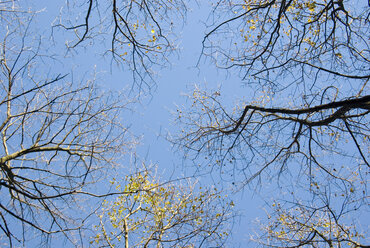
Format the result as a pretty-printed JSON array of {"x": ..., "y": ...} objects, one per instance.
[{"x": 339, "y": 55}]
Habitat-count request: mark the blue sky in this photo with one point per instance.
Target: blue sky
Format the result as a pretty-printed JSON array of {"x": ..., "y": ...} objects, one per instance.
[
  {"x": 151, "y": 118},
  {"x": 154, "y": 118}
]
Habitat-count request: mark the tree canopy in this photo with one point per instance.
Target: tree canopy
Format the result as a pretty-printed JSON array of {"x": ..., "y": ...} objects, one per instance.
[
  {"x": 304, "y": 119},
  {"x": 149, "y": 213},
  {"x": 300, "y": 126},
  {"x": 136, "y": 34},
  {"x": 58, "y": 137}
]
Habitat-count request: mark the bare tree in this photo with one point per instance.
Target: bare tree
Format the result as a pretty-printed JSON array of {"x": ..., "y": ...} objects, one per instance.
[
  {"x": 264, "y": 138},
  {"x": 57, "y": 136},
  {"x": 151, "y": 213},
  {"x": 139, "y": 34},
  {"x": 281, "y": 42},
  {"x": 305, "y": 113},
  {"x": 307, "y": 65}
]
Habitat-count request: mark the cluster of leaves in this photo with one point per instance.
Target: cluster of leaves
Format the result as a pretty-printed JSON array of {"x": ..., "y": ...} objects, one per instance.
[
  {"x": 312, "y": 226},
  {"x": 151, "y": 214}
]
